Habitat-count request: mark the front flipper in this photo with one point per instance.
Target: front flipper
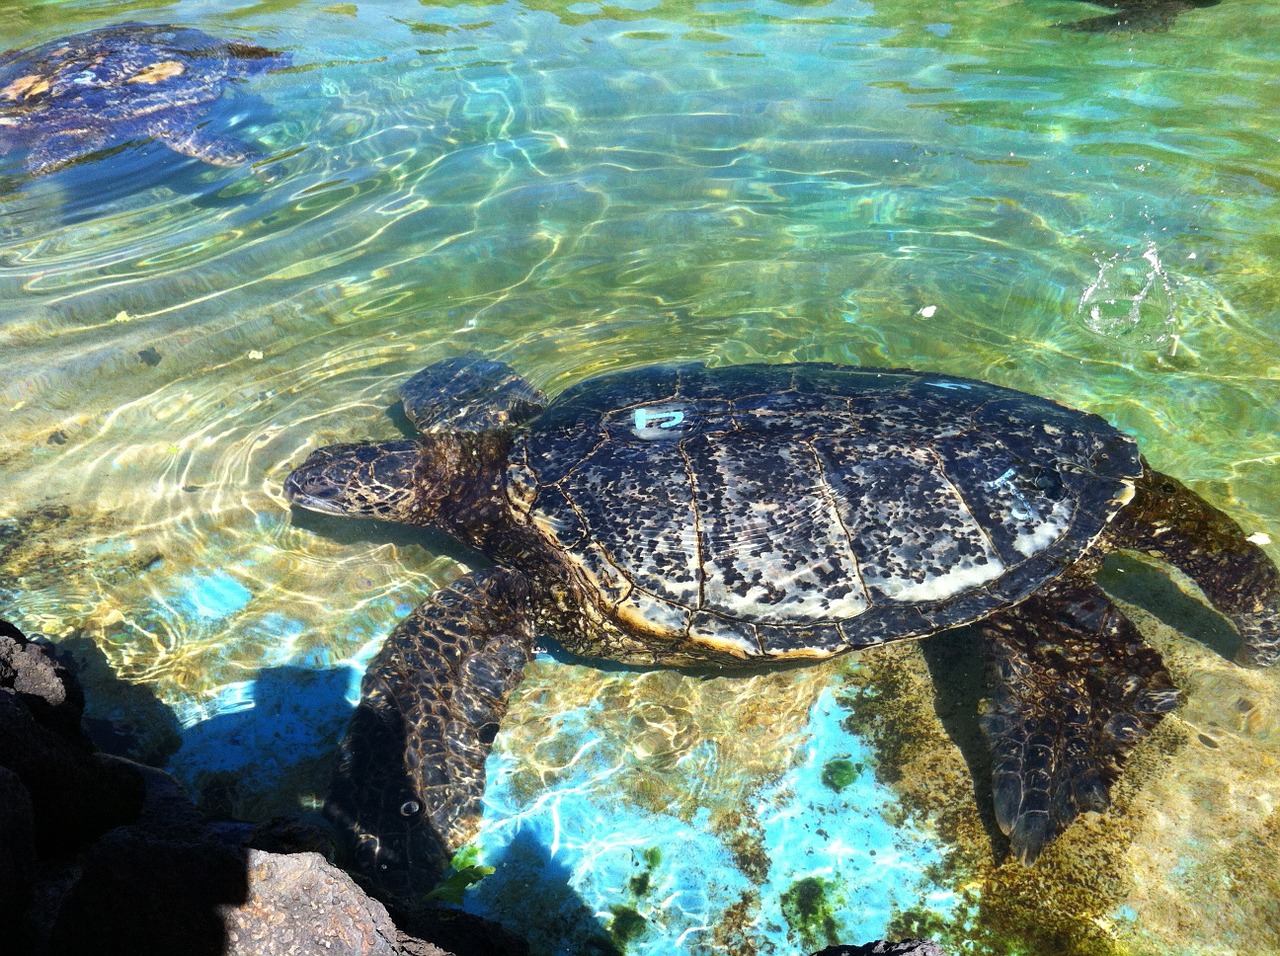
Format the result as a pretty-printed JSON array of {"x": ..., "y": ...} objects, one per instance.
[
  {"x": 406, "y": 790},
  {"x": 1169, "y": 521},
  {"x": 187, "y": 135},
  {"x": 1075, "y": 688},
  {"x": 469, "y": 394},
  {"x": 60, "y": 150}
]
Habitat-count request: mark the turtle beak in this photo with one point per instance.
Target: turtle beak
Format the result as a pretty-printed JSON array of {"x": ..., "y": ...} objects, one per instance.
[
  {"x": 362, "y": 481},
  {"x": 322, "y": 501},
  {"x": 320, "y": 482}
]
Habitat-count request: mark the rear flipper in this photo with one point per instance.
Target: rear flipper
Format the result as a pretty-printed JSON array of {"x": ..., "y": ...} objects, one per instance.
[
  {"x": 1169, "y": 521},
  {"x": 406, "y": 790},
  {"x": 1075, "y": 688}
]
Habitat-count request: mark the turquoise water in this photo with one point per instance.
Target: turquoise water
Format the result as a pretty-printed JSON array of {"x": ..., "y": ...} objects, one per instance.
[{"x": 578, "y": 187}]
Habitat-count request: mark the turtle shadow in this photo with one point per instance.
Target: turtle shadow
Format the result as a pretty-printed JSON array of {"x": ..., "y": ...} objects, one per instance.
[
  {"x": 958, "y": 670},
  {"x": 121, "y": 717},
  {"x": 1148, "y": 585},
  {"x": 271, "y": 750},
  {"x": 531, "y": 891}
]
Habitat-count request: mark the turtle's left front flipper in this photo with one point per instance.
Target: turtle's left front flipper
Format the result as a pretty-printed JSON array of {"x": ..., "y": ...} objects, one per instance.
[
  {"x": 191, "y": 135},
  {"x": 406, "y": 790},
  {"x": 1074, "y": 688}
]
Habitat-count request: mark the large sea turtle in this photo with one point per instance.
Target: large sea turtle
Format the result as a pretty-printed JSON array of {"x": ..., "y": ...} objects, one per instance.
[
  {"x": 734, "y": 517},
  {"x": 83, "y": 94}
]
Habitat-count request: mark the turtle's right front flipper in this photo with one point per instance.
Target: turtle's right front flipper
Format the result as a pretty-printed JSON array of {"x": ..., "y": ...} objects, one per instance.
[
  {"x": 406, "y": 790},
  {"x": 1075, "y": 688},
  {"x": 1169, "y": 521}
]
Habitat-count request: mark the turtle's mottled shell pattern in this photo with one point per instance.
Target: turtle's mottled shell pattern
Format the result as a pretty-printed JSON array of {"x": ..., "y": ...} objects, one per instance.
[
  {"x": 106, "y": 86},
  {"x": 801, "y": 510}
]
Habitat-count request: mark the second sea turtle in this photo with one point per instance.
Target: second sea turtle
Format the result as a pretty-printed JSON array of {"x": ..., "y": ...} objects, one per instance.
[{"x": 84, "y": 94}]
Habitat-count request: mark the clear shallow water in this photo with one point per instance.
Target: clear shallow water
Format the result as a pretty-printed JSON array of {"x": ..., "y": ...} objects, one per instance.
[{"x": 576, "y": 188}]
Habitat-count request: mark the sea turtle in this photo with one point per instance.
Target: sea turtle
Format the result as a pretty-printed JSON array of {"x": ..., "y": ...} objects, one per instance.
[
  {"x": 733, "y": 517},
  {"x": 77, "y": 96},
  {"x": 1147, "y": 16}
]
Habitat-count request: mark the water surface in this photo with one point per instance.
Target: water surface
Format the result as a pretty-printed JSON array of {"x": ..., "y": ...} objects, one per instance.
[{"x": 581, "y": 187}]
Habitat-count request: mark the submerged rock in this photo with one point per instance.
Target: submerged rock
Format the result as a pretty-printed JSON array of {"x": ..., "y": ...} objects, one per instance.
[
  {"x": 908, "y": 947},
  {"x": 300, "y": 903}
]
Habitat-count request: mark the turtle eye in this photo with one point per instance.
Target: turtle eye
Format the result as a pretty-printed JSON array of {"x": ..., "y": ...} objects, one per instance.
[
  {"x": 410, "y": 808},
  {"x": 1048, "y": 481}
]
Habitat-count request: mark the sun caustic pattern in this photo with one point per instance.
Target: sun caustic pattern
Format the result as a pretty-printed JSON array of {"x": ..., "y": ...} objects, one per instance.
[{"x": 577, "y": 188}]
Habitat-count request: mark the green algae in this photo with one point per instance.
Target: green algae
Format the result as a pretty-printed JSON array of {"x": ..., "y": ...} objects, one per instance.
[
  {"x": 467, "y": 871},
  {"x": 840, "y": 773},
  {"x": 641, "y": 883},
  {"x": 627, "y": 925},
  {"x": 809, "y": 907}
]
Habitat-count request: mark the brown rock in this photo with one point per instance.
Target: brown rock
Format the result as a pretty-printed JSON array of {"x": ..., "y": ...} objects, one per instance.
[{"x": 301, "y": 904}]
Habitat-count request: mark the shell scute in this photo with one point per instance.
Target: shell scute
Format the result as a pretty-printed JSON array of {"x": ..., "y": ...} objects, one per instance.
[
  {"x": 805, "y": 641},
  {"x": 912, "y": 531},
  {"x": 555, "y": 516},
  {"x": 774, "y": 549},
  {"x": 636, "y": 500},
  {"x": 603, "y": 575},
  {"x": 739, "y": 639},
  {"x": 647, "y": 613}
]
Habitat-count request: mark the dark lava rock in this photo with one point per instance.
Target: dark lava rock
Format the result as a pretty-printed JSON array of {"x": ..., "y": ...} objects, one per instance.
[
  {"x": 76, "y": 794},
  {"x": 103, "y": 855},
  {"x": 148, "y": 894},
  {"x": 461, "y": 934},
  {"x": 17, "y": 841},
  {"x": 48, "y": 690}
]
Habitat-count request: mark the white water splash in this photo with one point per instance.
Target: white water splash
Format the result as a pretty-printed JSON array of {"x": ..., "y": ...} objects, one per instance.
[{"x": 1131, "y": 299}]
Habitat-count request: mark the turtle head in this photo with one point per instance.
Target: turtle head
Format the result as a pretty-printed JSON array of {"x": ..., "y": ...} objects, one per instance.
[
  {"x": 362, "y": 481},
  {"x": 448, "y": 481}
]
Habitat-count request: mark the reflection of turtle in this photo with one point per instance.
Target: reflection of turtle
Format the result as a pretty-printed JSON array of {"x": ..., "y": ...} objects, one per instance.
[
  {"x": 736, "y": 516},
  {"x": 1136, "y": 15},
  {"x": 73, "y": 97}
]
